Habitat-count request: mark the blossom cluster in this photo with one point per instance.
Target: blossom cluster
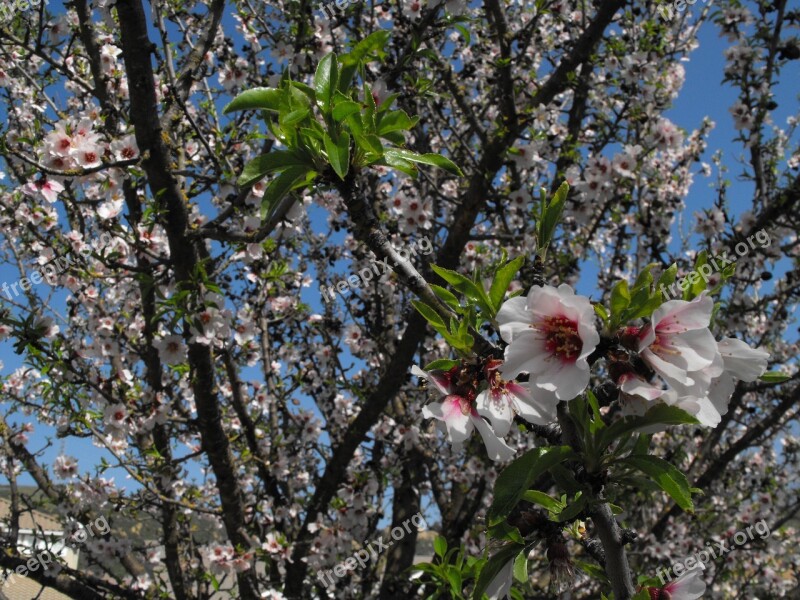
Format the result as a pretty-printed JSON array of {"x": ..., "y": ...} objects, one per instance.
[{"x": 673, "y": 359}]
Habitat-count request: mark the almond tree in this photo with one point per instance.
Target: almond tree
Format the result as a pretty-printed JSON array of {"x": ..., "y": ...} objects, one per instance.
[{"x": 502, "y": 194}]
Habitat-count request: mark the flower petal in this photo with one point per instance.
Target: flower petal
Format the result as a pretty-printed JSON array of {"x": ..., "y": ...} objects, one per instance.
[
  {"x": 514, "y": 318},
  {"x": 496, "y": 448},
  {"x": 497, "y": 409},
  {"x": 743, "y": 362},
  {"x": 678, "y": 316}
]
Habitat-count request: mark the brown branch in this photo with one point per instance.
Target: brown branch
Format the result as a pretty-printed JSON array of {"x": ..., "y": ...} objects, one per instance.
[
  {"x": 718, "y": 466},
  {"x": 152, "y": 141}
]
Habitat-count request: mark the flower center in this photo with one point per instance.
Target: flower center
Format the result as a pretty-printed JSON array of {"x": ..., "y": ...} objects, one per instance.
[
  {"x": 661, "y": 346},
  {"x": 563, "y": 340}
]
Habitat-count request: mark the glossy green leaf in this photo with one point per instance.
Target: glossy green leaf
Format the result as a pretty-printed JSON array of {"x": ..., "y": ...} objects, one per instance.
[
  {"x": 441, "y": 364},
  {"x": 398, "y": 138},
  {"x": 775, "y": 377},
  {"x": 440, "y": 546},
  {"x": 400, "y": 164},
  {"x": 280, "y": 186},
  {"x": 521, "y": 568},
  {"x": 552, "y": 215},
  {"x": 265, "y": 164},
  {"x": 435, "y": 160},
  {"x": 375, "y": 43},
  {"x": 344, "y": 109},
  {"x": 446, "y": 296},
  {"x": 338, "y": 153},
  {"x": 325, "y": 80},
  {"x": 518, "y": 477},
  {"x": 493, "y": 566},
  {"x": 662, "y": 414},
  {"x": 502, "y": 279},
  {"x": 370, "y": 143},
  {"x": 571, "y": 511},
  {"x": 666, "y": 476},
  {"x": 430, "y": 315},
  {"x": 262, "y": 98},
  {"x": 542, "y": 499},
  {"x": 395, "y": 120},
  {"x": 620, "y": 299},
  {"x": 601, "y": 312},
  {"x": 294, "y": 117},
  {"x": 504, "y": 532}
]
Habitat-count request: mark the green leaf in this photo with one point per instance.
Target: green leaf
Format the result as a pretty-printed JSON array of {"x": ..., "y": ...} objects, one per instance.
[
  {"x": 645, "y": 278},
  {"x": 659, "y": 414},
  {"x": 342, "y": 110},
  {"x": 552, "y": 215},
  {"x": 370, "y": 143},
  {"x": 373, "y": 43},
  {"x": 775, "y": 377},
  {"x": 265, "y": 164},
  {"x": 441, "y": 364},
  {"x": 307, "y": 90},
  {"x": 440, "y": 546},
  {"x": 505, "y": 532},
  {"x": 573, "y": 510},
  {"x": 280, "y": 186},
  {"x": 521, "y": 568},
  {"x": 395, "y": 120},
  {"x": 454, "y": 578},
  {"x": 696, "y": 287},
  {"x": 467, "y": 287},
  {"x": 517, "y": 477},
  {"x": 294, "y": 117},
  {"x": 435, "y": 160},
  {"x": 668, "y": 478},
  {"x": 542, "y": 499},
  {"x": 346, "y": 74},
  {"x": 262, "y": 98},
  {"x": 502, "y": 279},
  {"x": 493, "y": 566},
  {"x": 601, "y": 312},
  {"x": 667, "y": 277},
  {"x": 326, "y": 79},
  {"x": 592, "y": 570},
  {"x": 620, "y": 299},
  {"x": 430, "y": 315},
  {"x": 400, "y": 164},
  {"x": 447, "y": 297},
  {"x": 398, "y": 138},
  {"x": 464, "y": 33},
  {"x": 338, "y": 153}
]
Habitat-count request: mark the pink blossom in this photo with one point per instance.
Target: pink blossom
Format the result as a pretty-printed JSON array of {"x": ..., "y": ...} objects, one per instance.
[{"x": 550, "y": 335}]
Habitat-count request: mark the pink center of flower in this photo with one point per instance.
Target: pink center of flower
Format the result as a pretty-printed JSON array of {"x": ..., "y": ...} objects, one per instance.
[
  {"x": 659, "y": 594},
  {"x": 563, "y": 340}
]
